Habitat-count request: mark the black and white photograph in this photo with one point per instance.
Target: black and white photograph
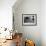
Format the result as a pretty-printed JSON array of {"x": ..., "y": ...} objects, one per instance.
[{"x": 29, "y": 19}]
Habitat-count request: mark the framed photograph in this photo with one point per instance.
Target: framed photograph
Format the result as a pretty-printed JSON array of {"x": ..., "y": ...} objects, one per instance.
[{"x": 29, "y": 19}]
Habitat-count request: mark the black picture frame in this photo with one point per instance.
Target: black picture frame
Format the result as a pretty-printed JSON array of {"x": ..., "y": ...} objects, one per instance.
[{"x": 29, "y": 19}]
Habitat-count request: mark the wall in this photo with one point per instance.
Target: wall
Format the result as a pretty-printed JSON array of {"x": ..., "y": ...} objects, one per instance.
[
  {"x": 6, "y": 13},
  {"x": 43, "y": 22},
  {"x": 28, "y": 7}
]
